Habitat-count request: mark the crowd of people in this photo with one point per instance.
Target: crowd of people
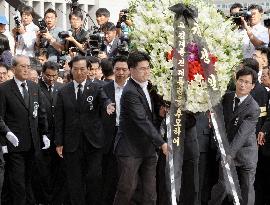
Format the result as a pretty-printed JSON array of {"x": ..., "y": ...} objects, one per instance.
[{"x": 80, "y": 120}]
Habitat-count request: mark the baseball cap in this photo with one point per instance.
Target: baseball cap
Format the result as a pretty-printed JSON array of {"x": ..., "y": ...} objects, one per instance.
[{"x": 3, "y": 20}]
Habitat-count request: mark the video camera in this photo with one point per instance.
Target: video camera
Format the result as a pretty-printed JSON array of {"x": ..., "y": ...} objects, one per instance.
[
  {"x": 243, "y": 12},
  {"x": 64, "y": 34},
  {"x": 123, "y": 47},
  {"x": 42, "y": 25},
  {"x": 74, "y": 5},
  {"x": 95, "y": 43},
  {"x": 124, "y": 16},
  {"x": 17, "y": 21}
]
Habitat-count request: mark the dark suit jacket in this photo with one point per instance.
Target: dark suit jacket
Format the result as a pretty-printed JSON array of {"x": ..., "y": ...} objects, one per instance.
[
  {"x": 240, "y": 127},
  {"x": 72, "y": 121},
  {"x": 137, "y": 134},
  {"x": 260, "y": 95},
  {"x": 114, "y": 50},
  {"x": 50, "y": 103},
  {"x": 109, "y": 120},
  {"x": 19, "y": 119}
]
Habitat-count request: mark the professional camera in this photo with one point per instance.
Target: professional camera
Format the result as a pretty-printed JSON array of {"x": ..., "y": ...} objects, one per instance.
[
  {"x": 243, "y": 12},
  {"x": 266, "y": 23},
  {"x": 95, "y": 43},
  {"x": 17, "y": 21},
  {"x": 124, "y": 16},
  {"x": 123, "y": 48},
  {"x": 42, "y": 26},
  {"x": 64, "y": 34},
  {"x": 74, "y": 5},
  {"x": 61, "y": 59}
]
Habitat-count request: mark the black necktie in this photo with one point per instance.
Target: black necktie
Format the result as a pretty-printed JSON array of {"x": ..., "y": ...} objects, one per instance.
[
  {"x": 236, "y": 103},
  {"x": 50, "y": 92},
  {"x": 79, "y": 95},
  {"x": 25, "y": 95}
]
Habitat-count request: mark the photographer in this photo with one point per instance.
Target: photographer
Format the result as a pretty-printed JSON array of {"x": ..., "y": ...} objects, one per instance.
[
  {"x": 255, "y": 34},
  {"x": 123, "y": 25},
  {"x": 75, "y": 42},
  {"x": 25, "y": 33},
  {"x": 48, "y": 35},
  {"x": 111, "y": 40},
  {"x": 102, "y": 16}
]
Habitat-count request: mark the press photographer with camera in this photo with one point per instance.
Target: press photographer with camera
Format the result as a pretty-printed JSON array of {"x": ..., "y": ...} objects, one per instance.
[
  {"x": 77, "y": 37},
  {"x": 48, "y": 35},
  {"x": 25, "y": 32},
  {"x": 124, "y": 23},
  {"x": 102, "y": 16},
  {"x": 112, "y": 42},
  {"x": 254, "y": 33}
]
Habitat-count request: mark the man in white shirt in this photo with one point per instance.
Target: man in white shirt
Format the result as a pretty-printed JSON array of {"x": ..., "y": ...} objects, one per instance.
[
  {"x": 114, "y": 91},
  {"x": 255, "y": 34},
  {"x": 25, "y": 35}
]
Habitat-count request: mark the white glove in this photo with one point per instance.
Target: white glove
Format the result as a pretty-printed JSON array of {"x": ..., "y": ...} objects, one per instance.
[
  {"x": 46, "y": 142},
  {"x": 12, "y": 138}
]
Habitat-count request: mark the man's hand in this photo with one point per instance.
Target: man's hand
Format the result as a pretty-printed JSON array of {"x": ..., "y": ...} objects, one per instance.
[
  {"x": 59, "y": 150},
  {"x": 46, "y": 142},
  {"x": 70, "y": 38},
  {"x": 47, "y": 36},
  {"x": 12, "y": 138},
  {"x": 165, "y": 149},
  {"x": 261, "y": 138},
  {"x": 111, "y": 108},
  {"x": 102, "y": 55},
  {"x": 21, "y": 30}
]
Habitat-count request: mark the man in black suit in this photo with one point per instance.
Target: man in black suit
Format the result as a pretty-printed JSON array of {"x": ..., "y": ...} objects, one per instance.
[
  {"x": 79, "y": 135},
  {"x": 114, "y": 91},
  {"x": 137, "y": 138},
  {"x": 50, "y": 167},
  {"x": 241, "y": 114},
  {"x": 22, "y": 109}
]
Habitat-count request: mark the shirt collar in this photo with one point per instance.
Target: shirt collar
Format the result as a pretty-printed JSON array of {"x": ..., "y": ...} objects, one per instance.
[
  {"x": 241, "y": 98},
  {"x": 76, "y": 84},
  {"x": 142, "y": 85},
  {"x": 119, "y": 86},
  {"x": 18, "y": 82}
]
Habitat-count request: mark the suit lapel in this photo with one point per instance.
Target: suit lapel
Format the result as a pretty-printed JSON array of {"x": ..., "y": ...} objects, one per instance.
[
  {"x": 111, "y": 93},
  {"x": 71, "y": 92},
  {"x": 140, "y": 90},
  {"x": 45, "y": 90},
  {"x": 242, "y": 107},
  {"x": 17, "y": 92}
]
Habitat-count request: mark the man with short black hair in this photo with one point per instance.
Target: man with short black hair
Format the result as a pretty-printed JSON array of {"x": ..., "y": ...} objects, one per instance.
[
  {"x": 79, "y": 135},
  {"x": 138, "y": 136},
  {"x": 114, "y": 91},
  {"x": 26, "y": 33},
  {"x": 49, "y": 38},
  {"x": 79, "y": 34},
  {"x": 241, "y": 114},
  {"x": 255, "y": 34},
  {"x": 111, "y": 40},
  {"x": 102, "y": 16}
]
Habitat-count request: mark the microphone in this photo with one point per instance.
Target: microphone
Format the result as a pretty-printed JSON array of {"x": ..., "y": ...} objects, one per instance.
[{"x": 267, "y": 11}]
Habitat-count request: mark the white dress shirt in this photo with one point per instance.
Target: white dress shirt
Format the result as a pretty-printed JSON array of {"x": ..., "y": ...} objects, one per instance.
[
  {"x": 240, "y": 98},
  {"x": 118, "y": 93},
  {"x": 144, "y": 88},
  {"x": 260, "y": 32},
  {"x": 26, "y": 42},
  {"x": 19, "y": 84},
  {"x": 76, "y": 88}
]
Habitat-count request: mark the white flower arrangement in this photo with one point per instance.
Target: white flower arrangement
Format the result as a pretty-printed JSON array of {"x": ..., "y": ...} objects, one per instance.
[{"x": 153, "y": 32}]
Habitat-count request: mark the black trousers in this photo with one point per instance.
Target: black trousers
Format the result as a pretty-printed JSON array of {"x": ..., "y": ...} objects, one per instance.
[
  {"x": 84, "y": 174},
  {"x": 109, "y": 175},
  {"x": 19, "y": 171},
  {"x": 2, "y": 169},
  {"x": 130, "y": 169},
  {"x": 49, "y": 183}
]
